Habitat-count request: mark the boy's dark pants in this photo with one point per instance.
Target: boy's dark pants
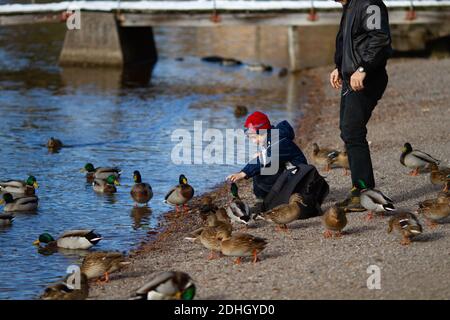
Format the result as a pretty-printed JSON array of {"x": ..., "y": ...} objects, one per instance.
[
  {"x": 262, "y": 184},
  {"x": 355, "y": 112}
]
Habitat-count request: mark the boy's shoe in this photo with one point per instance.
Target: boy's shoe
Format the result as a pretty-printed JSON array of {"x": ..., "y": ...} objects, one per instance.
[{"x": 352, "y": 203}]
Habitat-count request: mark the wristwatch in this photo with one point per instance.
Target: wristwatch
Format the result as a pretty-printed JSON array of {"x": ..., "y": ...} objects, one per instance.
[{"x": 361, "y": 69}]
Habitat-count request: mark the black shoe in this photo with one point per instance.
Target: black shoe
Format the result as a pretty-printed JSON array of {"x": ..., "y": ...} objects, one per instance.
[{"x": 352, "y": 203}]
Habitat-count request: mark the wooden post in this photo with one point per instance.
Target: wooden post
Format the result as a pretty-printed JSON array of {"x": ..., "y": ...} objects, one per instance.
[{"x": 294, "y": 48}]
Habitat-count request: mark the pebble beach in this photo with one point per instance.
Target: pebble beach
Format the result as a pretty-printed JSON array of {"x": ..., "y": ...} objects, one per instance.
[{"x": 301, "y": 263}]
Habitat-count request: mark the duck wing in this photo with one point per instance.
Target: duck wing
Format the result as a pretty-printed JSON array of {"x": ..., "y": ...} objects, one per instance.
[{"x": 424, "y": 156}]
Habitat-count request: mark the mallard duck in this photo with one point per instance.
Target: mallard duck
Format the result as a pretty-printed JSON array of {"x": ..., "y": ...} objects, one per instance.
[
  {"x": 62, "y": 291},
  {"x": 439, "y": 176},
  {"x": 340, "y": 160},
  {"x": 231, "y": 62},
  {"x": 238, "y": 210},
  {"x": 207, "y": 235},
  {"x": 435, "y": 211},
  {"x": 71, "y": 239},
  {"x": 22, "y": 204},
  {"x": 441, "y": 198},
  {"x": 6, "y": 219},
  {"x": 101, "y": 172},
  {"x": 415, "y": 159},
  {"x": 180, "y": 194},
  {"x": 101, "y": 264},
  {"x": 407, "y": 224},
  {"x": 54, "y": 144},
  {"x": 106, "y": 186},
  {"x": 323, "y": 156},
  {"x": 169, "y": 285},
  {"x": 20, "y": 187},
  {"x": 375, "y": 201},
  {"x": 240, "y": 245},
  {"x": 334, "y": 219},
  {"x": 240, "y": 111},
  {"x": 141, "y": 192},
  {"x": 207, "y": 207},
  {"x": 258, "y": 67},
  {"x": 286, "y": 213}
]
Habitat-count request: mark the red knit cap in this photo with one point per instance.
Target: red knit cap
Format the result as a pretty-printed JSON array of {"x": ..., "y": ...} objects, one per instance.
[{"x": 257, "y": 121}]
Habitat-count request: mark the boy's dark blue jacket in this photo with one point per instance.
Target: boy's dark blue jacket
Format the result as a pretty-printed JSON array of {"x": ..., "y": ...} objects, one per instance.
[{"x": 288, "y": 150}]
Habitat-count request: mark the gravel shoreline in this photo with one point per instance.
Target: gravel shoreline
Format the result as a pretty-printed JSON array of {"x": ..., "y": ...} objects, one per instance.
[{"x": 302, "y": 264}]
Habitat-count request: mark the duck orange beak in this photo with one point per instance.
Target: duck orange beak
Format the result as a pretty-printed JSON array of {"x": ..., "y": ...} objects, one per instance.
[
  {"x": 116, "y": 182},
  {"x": 36, "y": 243},
  {"x": 35, "y": 185},
  {"x": 2, "y": 201}
]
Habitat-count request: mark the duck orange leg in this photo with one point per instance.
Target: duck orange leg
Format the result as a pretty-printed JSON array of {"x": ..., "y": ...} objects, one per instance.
[
  {"x": 369, "y": 216},
  {"x": 104, "y": 279},
  {"x": 327, "y": 234},
  {"x": 238, "y": 260},
  {"x": 255, "y": 256},
  {"x": 185, "y": 208},
  {"x": 431, "y": 224},
  {"x": 345, "y": 172},
  {"x": 415, "y": 172},
  {"x": 405, "y": 241},
  {"x": 212, "y": 255}
]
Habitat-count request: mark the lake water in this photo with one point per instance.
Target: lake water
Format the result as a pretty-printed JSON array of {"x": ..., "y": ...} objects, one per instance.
[{"x": 110, "y": 122}]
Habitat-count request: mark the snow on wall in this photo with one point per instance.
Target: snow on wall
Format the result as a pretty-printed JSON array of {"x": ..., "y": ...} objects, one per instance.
[{"x": 198, "y": 5}]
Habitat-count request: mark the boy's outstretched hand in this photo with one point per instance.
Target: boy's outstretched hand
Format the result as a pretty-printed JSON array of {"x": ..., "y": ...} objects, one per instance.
[{"x": 236, "y": 176}]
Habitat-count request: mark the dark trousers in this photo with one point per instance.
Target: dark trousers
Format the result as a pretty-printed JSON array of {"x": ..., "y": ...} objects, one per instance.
[
  {"x": 356, "y": 109},
  {"x": 263, "y": 184}
]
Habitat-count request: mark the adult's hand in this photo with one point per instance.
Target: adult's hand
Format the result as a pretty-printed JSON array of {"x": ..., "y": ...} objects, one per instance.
[
  {"x": 236, "y": 176},
  {"x": 335, "y": 79},
  {"x": 357, "y": 80}
]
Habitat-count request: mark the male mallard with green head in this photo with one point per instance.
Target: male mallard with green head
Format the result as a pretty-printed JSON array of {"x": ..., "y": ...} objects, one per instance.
[
  {"x": 71, "y": 239},
  {"x": 238, "y": 210},
  {"x": 101, "y": 264},
  {"x": 375, "y": 201},
  {"x": 407, "y": 224},
  {"x": 415, "y": 159},
  {"x": 180, "y": 194},
  {"x": 106, "y": 186},
  {"x": 323, "y": 156},
  {"x": 100, "y": 172},
  {"x": 169, "y": 285},
  {"x": 286, "y": 213},
  {"x": 20, "y": 187},
  {"x": 141, "y": 192},
  {"x": 240, "y": 245},
  {"x": 334, "y": 220},
  {"x": 62, "y": 291},
  {"x": 22, "y": 204}
]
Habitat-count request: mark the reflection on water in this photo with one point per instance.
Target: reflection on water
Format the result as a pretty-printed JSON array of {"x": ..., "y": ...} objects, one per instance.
[{"x": 109, "y": 119}]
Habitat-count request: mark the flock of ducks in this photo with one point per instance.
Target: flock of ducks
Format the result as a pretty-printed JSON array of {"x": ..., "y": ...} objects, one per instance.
[
  {"x": 217, "y": 234},
  {"x": 20, "y": 196},
  {"x": 434, "y": 210}
]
